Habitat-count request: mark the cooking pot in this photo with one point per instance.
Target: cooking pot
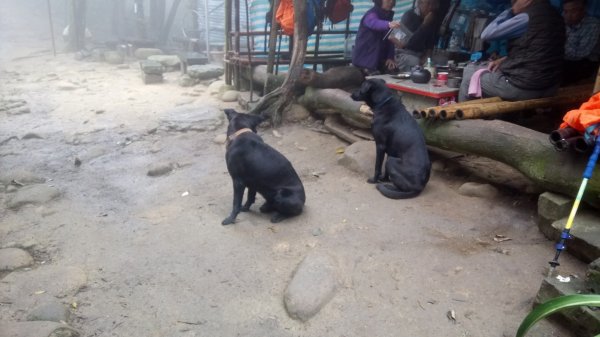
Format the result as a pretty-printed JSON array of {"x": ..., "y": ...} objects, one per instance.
[
  {"x": 420, "y": 75},
  {"x": 454, "y": 82}
]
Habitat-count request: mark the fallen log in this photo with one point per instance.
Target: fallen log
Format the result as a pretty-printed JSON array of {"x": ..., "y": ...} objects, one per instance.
[
  {"x": 349, "y": 109},
  {"x": 526, "y": 150}
]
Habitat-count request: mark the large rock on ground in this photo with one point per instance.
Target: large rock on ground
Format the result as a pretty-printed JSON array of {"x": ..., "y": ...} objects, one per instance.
[
  {"x": 205, "y": 71},
  {"x": 187, "y": 118},
  {"x": 313, "y": 285},
  {"x": 36, "y": 329},
  {"x": 144, "y": 53},
  {"x": 23, "y": 286},
  {"x": 14, "y": 258},
  {"x": 33, "y": 194},
  {"x": 21, "y": 177},
  {"x": 360, "y": 157}
]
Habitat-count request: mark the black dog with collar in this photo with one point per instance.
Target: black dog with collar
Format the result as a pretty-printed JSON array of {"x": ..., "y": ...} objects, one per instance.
[
  {"x": 396, "y": 134},
  {"x": 255, "y": 165}
]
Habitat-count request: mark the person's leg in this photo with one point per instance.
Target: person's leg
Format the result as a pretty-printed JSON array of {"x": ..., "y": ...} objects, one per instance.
[
  {"x": 496, "y": 84},
  {"x": 405, "y": 62},
  {"x": 463, "y": 93}
]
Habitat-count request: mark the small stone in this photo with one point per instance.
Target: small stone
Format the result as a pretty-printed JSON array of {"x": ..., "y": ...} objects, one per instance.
[
  {"x": 32, "y": 135},
  {"x": 220, "y": 139},
  {"x": 52, "y": 311},
  {"x": 296, "y": 113},
  {"x": 114, "y": 57},
  {"x": 151, "y": 78},
  {"x": 186, "y": 81},
  {"x": 472, "y": 189},
  {"x": 160, "y": 169},
  {"x": 230, "y": 96}
]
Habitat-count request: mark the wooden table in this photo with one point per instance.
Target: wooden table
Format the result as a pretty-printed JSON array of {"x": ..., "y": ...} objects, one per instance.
[{"x": 418, "y": 96}]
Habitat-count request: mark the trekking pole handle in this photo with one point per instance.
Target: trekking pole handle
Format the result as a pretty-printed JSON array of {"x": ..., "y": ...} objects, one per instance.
[{"x": 589, "y": 169}]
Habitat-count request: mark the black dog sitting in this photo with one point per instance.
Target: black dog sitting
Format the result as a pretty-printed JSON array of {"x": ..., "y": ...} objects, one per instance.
[
  {"x": 396, "y": 134},
  {"x": 255, "y": 165}
]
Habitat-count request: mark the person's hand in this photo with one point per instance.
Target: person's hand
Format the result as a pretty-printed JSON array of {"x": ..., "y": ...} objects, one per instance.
[
  {"x": 519, "y": 6},
  {"x": 394, "y": 24},
  {"x": 390, "y": 64},
  {"x": 428, "y": 18},
  {"x": 495, "y": 64},
  {"x": 398, "y": 43}
]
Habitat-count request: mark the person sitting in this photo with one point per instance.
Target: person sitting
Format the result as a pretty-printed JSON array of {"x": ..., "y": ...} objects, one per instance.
[
  {"x": 372, "y": 52},
  {"x": 533, "y": 66},
  {"x": 582, "y": 48},
  {"x": 423, "y": 23}
]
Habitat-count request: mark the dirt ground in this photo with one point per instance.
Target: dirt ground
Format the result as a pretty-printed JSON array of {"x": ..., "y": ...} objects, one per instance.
[{"x": 157, "y": 260}]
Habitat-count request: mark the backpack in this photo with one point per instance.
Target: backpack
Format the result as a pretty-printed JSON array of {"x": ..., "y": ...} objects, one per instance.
[
  {"x": 285, "y": 15},
  {"x": 338, "y": 10}
]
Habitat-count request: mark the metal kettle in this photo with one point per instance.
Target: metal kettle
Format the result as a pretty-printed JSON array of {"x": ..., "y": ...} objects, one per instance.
[{"x": 420, "y": 75}]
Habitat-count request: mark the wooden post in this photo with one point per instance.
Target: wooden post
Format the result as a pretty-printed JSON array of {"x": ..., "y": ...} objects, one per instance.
[
  {"x": 157, "y": 18},
  {"x": 169, "y": 23},
  {"x": 228, "y": 65},
  {"x": 238, "y": 68},
  {"x": 118, "y": 10},
  {"x": 272, "y": 38},
  {"x": 51, "y": 28},
  {"x": 77, "y": 25},
  {"x": 140, "y": 20}
]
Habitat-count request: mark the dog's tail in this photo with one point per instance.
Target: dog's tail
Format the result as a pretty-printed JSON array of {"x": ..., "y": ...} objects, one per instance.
[{"x": 393, "y": 192}]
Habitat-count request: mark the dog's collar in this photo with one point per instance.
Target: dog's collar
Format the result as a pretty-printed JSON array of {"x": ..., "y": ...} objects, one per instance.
[
  {"x": 379, "y": 105},
  {"x": 237, "y": 133}
]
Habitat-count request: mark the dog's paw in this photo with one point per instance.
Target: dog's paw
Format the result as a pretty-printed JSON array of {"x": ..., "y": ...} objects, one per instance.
[
  {"x": 266, "y": 208},
  {"x": 228, "y": 221},
  {"x": 245, "y": 209},
  {"x": 277, "y": 217},
  {"x": 372, "y": 181}
]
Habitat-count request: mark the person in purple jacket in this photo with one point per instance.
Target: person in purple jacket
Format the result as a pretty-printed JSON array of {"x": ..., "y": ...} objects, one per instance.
[{"x": 373, "y": 53}]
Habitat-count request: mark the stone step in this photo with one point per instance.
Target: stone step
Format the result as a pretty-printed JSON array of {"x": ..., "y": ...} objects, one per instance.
[
  {"x": 583, "y": 321},
  {"x": 553, "y": 211}
]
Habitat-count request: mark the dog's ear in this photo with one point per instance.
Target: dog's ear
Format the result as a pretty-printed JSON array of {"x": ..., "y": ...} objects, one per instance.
[
  {"x": 366, "y": 87},
  {"x": 230, "y": 113},
  {"x": 255, "y": 121},
  {"x": 378, "y": 80}
]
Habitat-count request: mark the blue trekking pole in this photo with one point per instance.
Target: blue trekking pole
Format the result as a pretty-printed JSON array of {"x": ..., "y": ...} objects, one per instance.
[{"x": 565, "y": 235}]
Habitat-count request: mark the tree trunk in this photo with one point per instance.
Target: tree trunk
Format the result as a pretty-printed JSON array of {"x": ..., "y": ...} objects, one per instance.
[
  {"x": 526, "y": 150},
  {"x": 77, "y": 25},
  {"x": 274, "y": 103},
  {"x": 316, "y": 99}
]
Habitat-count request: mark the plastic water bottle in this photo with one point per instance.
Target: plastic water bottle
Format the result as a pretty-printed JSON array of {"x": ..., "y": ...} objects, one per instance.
[{"x": 429, "y": 66}]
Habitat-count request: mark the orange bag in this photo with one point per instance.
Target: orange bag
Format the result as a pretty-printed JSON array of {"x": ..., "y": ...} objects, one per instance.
[
  {"x": 285, "y": 16},
  {"x": 586, "y": 116}
]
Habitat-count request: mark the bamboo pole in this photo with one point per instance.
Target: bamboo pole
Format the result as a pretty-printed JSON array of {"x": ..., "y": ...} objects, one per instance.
[
  {"x": 435, "y": 111},
  {"x": 449, "y": 111},
  {"x": 491, "y": 109}
]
